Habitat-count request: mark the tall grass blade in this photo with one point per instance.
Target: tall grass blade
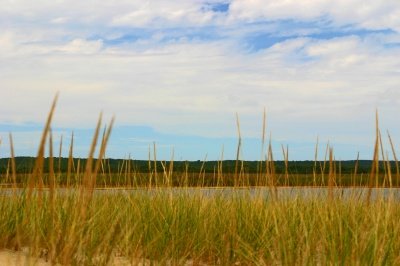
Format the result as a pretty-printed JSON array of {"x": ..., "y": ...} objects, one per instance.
[
  {"x": 286, "y": 162},
  {"x": 323, "y": 166},
  {"x": 331, "y": 174},
  {"x": 149, "y": 167},
  {"x": 52, "y": 179},
  {"x": 374, "y": 175},
  {"x": 37, "y": 172},
  {"x": 13, "y": 166},
  {"x": 88, "y": 176},
  {"x": 389, "y": 170},
  {"x": 395, "y": 159},
  {"x": 155, "y": 164},
  {"x": 260, "y": 163},
  {"x": 220, "y": 179},
  {"x": 315, "y": 163},
  {"x": 385, "y": 170},
  {"x": 60, "y": 155},
  {"x": 355, "y": 169},
  {"x": 236, "y": 182},
  {"x": 70, "y": 165},
  {"x": 105, "y": 139}
]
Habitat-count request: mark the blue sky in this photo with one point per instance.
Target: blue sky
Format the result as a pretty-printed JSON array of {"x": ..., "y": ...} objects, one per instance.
[{"x": 176, "y": 73}]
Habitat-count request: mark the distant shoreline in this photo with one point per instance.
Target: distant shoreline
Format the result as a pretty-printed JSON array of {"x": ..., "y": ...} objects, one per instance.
[{"x": 25, "y": 165}]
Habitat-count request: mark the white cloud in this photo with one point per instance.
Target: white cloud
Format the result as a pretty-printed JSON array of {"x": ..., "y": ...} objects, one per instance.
[
  {"x": 367, "y": 14},
  {"x": 335, "y": 47},
  {"x": 163, "y": 14},
  {"x": 60, "y": 20},
  {"x": 103, "y": 13},
  {"x": 80, "y": 46},
  {"x": 197, "y": 87},
  {"x": 272, "y": 10},
  {"x": 6, "y": 43},
  {"x": 189, "y": 85}
]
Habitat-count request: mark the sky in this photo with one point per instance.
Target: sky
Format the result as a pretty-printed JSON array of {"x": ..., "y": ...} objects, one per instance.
[{"x": 175, "y": 74}]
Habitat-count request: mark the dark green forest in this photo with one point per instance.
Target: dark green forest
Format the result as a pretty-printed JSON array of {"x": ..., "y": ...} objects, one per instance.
[{"x": 25, "y": 165}]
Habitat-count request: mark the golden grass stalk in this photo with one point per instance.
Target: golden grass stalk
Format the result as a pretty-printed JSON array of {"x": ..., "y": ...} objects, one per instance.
[
  {"x": 239, "y": 145},
  {"x": 128, "y": 169},
  {"x": 60, "y": 155},
  {"x": 78, "y": 172},
  {"x": 263, "y": 135},
  {"x": 389, "y": 170},
  {"x": 220, "y": 179},
  {"x": 271, "y": 170},
  {"x": 52, "y": 198},
  {"x": 88, "y": 177},
  {"x": 37, "y": 173},
  {"x": 395, "y": 158},
  {"x": 202, "y": 172},
  {"x": 340, "y": 172},
  {"x": 374, "y": 175},
  {"x": 323, "y": 165},
  {"x": 271, "y": 164},
  {"x": 155, "y": 164},
  {"x": 105, "y": 139},
  {"x": 13, "y": 166},
  {"x": 70, "y": 165},
  {"x": 165, "y": 174},
  {"x": 286, "y": 161},
  {"x": 186, "y": 175},
  {"x": 171, "y": 167},
  {"x": 86, "y": 193},
  {"x": 52, "y": 179},
  {"x": 315, "y": 163},
  {"x": 149, "y": 167},
  {"x": 355, "y": 169},
  {"x": 331, "y": 177},
  {"x": 385, "y": 177}
]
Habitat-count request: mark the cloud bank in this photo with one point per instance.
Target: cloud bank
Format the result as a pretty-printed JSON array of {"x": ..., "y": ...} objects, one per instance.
[{"x": 320, "y": 68}]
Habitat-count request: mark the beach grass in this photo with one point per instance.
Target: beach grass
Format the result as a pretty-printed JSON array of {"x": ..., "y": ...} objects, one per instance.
[
  {"x": 170, "y": 226},
  {"x": 159, "y": 224}
]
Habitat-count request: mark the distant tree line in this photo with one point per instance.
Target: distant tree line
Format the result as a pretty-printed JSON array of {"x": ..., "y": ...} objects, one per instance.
[{"x": 26, "y": 164}]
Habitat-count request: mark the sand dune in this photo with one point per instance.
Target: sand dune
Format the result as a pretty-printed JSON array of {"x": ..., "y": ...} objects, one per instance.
[
  {"x": 9, "y": 257},
  {"x": 22, "y": 258}
]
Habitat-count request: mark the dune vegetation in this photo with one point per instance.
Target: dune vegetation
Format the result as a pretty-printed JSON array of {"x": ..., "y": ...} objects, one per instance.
[{"x": 157, "y": 223}]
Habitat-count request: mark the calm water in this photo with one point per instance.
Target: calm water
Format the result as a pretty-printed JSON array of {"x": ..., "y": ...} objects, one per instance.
[{"x": 280, "y": 192}]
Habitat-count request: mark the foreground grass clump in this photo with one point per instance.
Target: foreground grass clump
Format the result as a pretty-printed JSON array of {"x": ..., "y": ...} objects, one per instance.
[
  {"x": 172, "y": 226},
  {"x": 159, "y": 221}
]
